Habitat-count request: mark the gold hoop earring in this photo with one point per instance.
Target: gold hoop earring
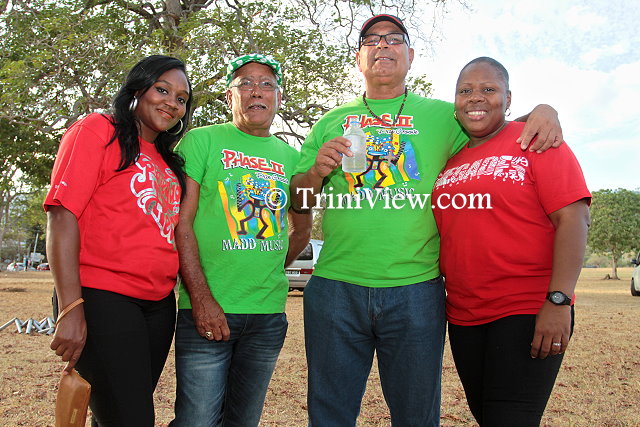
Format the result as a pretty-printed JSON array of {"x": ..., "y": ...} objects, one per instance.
[
  {"x": 178, "y": 131},
  {"x": 455, "y": 114}
]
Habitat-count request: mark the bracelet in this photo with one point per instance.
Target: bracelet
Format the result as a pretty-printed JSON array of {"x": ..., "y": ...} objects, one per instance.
[{"x": 68, "y": 308}]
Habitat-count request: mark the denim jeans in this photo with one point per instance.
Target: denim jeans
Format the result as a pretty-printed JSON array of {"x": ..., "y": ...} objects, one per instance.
[
  {"x": 225, "y": 382},
  {"x": 345, "y": 324}
]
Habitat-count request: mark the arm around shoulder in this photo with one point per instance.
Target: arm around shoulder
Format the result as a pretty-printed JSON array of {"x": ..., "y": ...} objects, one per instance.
[{"x": 543, "y": 126}]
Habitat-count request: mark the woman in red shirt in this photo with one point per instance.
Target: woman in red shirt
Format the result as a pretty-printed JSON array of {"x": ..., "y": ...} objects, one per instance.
[
  {"x": 112, "y": 208},
  {"x": 511, "y": 261}
]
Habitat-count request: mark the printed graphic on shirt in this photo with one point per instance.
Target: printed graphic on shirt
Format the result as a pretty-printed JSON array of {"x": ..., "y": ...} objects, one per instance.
[
  {"x": 236, "y": 159},
  {"x": 254, "y": 202},
  {"x": 390, "y": 155},
  {"x": 511, "y": 169},
  {"x": 158, "y": 195}
]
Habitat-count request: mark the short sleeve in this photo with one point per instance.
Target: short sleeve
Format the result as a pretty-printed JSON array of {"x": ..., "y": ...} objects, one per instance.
[
  {"x": 308, "y": 151},
  {"x": 193, "y": 149},
  {"x": 79, "y": 164},
  {"x": 558, "y": 178}
]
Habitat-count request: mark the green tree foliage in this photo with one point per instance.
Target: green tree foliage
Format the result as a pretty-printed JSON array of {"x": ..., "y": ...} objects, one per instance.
[
  {"x": 28, "y": 223},
  {"x": 615, "y": 224},
  {"x": 62, "y": 59},
  {"x": 23, "y": 168}
]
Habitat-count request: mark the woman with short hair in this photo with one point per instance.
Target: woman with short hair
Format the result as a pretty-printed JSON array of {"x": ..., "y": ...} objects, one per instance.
[{"x": 510, "y": 265}]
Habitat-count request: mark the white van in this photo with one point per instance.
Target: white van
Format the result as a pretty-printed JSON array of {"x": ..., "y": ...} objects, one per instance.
[
  {"x": 300, "y": 270},
  {"x": 635, "y": 276}
]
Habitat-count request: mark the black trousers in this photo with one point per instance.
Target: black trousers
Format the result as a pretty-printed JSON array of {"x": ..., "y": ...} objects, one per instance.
[
  {"x": 503, "y": 384},
  {"x": 128, "y": 340}
]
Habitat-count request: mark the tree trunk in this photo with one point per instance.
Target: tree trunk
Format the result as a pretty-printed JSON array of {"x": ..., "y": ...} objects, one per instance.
[
  {"x": 4, "y": 217},
  {"x": 614, "y": 268}
]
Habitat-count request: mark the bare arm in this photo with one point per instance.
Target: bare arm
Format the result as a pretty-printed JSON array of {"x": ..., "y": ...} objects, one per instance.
[
  {"x": 63, "y": 249},
  {"x": 300, "y": 224},
  {"x": 306, "y": 185},
  {"x": 553, "y": 322},
  {"x": 208, "y": 315},
  {"x": 542, "y": 122}
]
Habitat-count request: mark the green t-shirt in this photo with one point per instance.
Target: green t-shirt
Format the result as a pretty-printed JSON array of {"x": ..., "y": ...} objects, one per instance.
[
  {"x": 379, "y": 245},
  {"x": 241, "y": 224}
]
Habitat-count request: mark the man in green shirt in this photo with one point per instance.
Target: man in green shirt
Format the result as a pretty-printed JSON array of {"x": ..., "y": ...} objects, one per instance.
[
  {"x": 377, "y": 287},
  {"x": 234, "y": 241}
]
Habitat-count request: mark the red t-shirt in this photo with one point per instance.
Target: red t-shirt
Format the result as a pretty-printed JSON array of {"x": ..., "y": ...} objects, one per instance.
[
  {"x": 126, "y": 219},
  {"x": 497, "y": 262}
]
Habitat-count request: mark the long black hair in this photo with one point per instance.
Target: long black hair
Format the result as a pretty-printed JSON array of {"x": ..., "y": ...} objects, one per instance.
[{"x": 141, "y": 77}]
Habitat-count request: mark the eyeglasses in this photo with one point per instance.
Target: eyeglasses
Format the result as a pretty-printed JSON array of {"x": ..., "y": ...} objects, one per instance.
[
  {"x": 374, "y": 39},
  {"x": 247, "y": 85}
]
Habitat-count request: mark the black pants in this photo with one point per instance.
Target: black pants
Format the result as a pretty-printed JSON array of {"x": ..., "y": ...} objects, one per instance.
[
  {"x": 128, "y": 340},
  {"x": 503, "y": 384}
]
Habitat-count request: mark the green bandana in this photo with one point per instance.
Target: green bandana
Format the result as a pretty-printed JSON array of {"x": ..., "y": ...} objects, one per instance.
[{"x": 254, "y": 57}]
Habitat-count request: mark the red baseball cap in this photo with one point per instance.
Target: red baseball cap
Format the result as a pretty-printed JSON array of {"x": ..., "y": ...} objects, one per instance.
[{"x": 382, "y": 17}]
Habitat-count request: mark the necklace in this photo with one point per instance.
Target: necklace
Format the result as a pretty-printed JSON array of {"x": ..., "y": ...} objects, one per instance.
[
  {"x": 391, "y": 158},
  {"x": 395, "y": 120}
]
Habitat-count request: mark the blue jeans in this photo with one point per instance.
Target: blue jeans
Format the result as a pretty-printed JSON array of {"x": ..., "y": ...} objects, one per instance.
[
  {"x": 225, "y": 382},
  {"x": 345, "y": 324}
]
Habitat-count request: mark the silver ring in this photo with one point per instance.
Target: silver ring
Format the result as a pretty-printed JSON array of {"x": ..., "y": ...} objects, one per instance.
[
  {"x": 208, "y": 334},
  {"x": 557, "y": 344}
]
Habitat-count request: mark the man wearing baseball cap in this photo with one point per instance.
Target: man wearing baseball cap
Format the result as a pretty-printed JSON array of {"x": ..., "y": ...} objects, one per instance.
[
  {"x": 233, "y": 243},
  {"x": 376, "y": 288}
]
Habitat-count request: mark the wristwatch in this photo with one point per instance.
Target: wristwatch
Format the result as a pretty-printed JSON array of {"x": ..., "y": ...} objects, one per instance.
[{"x": 558, "y": 298}]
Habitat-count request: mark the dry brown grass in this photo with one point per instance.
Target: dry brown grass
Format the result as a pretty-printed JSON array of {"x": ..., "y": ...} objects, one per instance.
[{"x": 598, "y": 385}]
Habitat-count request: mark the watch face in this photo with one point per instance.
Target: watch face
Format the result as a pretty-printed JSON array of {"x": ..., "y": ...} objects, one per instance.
[{"x": 557, "y": 298}]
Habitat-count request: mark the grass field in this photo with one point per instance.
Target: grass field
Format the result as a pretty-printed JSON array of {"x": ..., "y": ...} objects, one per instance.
[{"x": 598, "y": 385}]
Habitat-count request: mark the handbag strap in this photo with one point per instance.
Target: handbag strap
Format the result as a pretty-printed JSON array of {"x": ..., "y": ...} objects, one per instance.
[{"x": 68, "y": 308}]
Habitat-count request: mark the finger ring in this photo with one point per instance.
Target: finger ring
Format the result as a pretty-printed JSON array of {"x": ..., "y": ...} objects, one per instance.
[
  {"x": 208, "y": 334},
  {"x": 557, "y": 344}
]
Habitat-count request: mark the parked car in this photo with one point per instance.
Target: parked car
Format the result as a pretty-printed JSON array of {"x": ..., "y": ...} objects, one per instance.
[
  {"x": 300, "y": 270},
  {"x": 15, "y": 266},
  {"x": 43, "y": 266},
  {"x": 635, "y": 276}
]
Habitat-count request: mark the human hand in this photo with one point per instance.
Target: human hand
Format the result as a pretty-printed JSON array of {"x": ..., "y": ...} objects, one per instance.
[
  {"x": 210, "y": 321},
  {"x": 329, "y": 156},
  {"x": 70, "y": 337},
  {"x": 542, "y": 130},
  {"x": 553, "y": 326}
]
